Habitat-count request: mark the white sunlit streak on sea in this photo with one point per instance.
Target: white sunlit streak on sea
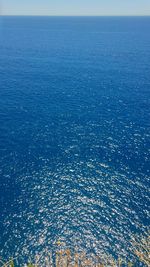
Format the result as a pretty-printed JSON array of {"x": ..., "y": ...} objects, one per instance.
[
  {"x": 81, "y": 200},
  {"x": 87, "y": 213}
]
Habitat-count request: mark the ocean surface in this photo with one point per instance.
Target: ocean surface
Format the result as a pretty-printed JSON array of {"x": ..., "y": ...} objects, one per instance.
[{"x": 74, "y": 133}]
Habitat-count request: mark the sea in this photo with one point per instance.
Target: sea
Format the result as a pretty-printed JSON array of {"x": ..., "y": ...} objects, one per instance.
[{"x": 74, "y": 134}]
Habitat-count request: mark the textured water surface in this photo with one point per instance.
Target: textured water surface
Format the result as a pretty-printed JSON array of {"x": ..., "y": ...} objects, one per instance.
[{"x": 74, "y": 133}]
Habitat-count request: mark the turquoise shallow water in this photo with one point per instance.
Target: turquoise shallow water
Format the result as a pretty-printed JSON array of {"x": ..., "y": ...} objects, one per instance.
[{"x": 74, "y": 133}]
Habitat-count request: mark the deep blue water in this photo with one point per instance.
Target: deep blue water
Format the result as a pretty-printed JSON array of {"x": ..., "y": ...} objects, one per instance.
[{"x": 74, "y": 133}]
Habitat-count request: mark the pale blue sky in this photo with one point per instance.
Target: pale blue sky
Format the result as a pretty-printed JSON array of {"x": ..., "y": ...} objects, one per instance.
[{"x": 75, "y": 7}]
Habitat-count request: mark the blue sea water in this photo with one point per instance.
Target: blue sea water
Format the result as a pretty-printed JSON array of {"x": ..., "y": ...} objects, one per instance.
[{"x": 74, "y": 133}]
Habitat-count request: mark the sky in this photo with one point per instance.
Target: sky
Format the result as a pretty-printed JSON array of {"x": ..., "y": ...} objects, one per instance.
[{"x": 75, "y": 7}]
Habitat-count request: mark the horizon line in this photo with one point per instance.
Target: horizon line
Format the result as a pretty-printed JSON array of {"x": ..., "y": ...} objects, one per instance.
[{"x": 36, "y": 15}]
